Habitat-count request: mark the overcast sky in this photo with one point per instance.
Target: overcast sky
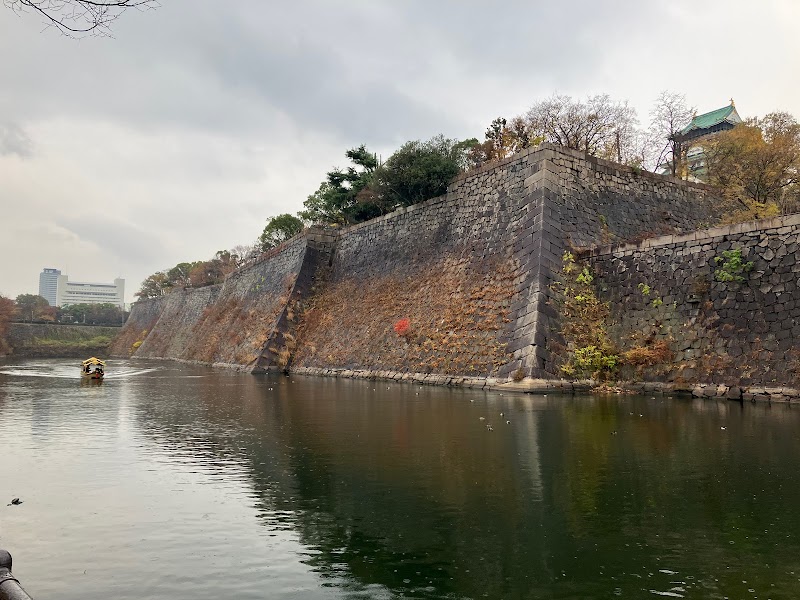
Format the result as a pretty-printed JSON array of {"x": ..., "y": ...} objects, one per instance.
[{"x": 198, "y": 121}]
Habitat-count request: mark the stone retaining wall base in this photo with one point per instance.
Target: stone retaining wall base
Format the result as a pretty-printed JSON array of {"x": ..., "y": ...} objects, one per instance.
[{"x": 544, "y": 386}]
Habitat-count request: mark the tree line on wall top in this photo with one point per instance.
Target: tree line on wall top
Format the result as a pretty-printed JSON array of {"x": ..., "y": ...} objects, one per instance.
[{"x": 756, "y": 165}]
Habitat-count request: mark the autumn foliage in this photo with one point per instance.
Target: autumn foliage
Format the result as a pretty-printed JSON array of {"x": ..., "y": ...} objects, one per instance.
[
  {"x": 7, "y": 311},
  {"x": 457, "y": 314},
  {"x": 650, "y": 354},
  {"x": 402, "y": 327},
  {"x": 757, "y": 165}
]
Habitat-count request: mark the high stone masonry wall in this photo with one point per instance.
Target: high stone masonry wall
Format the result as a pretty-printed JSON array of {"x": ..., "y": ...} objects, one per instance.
[
  {"x": 231, "y": 323},
  {"x": 736, "y": 333},
  {"x": 585, "y": 202},
  {"x": 471, "y": 271},
  {"x": 596, "y": 202},
  {"x": 143, "y": 317},
  {"x": 449, "y": 265}
]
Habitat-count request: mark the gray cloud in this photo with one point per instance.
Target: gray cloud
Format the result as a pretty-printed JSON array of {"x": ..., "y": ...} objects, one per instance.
[
  {"x": 248, "y": 79},
  {"x": 349, "y": 71},
  {"x": 14, "y": 140},
  {"x": 119, "y": 241},
  {"x": 213, "y": 116}
]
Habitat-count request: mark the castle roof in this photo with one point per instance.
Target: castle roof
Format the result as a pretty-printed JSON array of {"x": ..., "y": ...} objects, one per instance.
[{"x": 715, "y": 117}]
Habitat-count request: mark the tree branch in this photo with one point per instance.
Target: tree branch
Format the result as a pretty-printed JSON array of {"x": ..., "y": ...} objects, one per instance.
[{"x": 79, "y": 17}]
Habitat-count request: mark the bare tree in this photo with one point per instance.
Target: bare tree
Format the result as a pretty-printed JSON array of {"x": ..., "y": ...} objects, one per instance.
[
  {"x": 245, "y": 254},
  {"x": 670, "y": 114},
  {"x": 625, "y": 139},
  {"x": 599, "y": 126},
  {"x": 79, "y": 17}
]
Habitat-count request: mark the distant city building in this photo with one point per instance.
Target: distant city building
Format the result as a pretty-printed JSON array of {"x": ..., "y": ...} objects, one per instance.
[
  {"x": 58, "y": 290},
  {"x": 48, "y": 285},
  {"x": 75, "y": 292},
  {"x": 702, "y": 129}
]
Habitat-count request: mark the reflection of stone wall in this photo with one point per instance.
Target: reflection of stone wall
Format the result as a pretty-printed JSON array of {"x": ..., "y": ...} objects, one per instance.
[{"x": 737, "y": 333}]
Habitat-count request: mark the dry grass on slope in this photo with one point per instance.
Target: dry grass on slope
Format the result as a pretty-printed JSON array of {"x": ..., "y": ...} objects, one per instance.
[{"x": 456, "y": 321}]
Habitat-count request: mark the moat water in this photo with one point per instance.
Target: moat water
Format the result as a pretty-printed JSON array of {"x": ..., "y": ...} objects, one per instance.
[{"x": 182, "y": 482}]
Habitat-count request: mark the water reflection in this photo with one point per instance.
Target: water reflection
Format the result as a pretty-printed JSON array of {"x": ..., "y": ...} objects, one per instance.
[{"x": 324, "y": 488}]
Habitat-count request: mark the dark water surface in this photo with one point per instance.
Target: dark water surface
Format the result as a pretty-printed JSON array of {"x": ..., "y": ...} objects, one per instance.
[{"x": 171, "y": 481}]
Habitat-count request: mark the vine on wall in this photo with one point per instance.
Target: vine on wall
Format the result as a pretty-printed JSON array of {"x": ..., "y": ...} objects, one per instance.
[{"x": 589, "y": 350}]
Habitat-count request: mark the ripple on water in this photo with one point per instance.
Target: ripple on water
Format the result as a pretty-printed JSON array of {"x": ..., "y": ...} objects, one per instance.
[
  {"x": 69, "y": 371},
  {"x": 184, "y": 482}
]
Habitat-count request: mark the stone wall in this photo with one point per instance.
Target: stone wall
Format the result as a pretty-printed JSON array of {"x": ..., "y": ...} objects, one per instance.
[
  {"x": 736, "y": 333},
  {"x": 231, "y": 323},
  {"x": 143, "y": 317},
  {"x": 449, "y": 266},
  {"x": 596, "y": 202},
  {"x": 52, "y": 340},
  {"x": 585, "y": 202},
  {"x": 471, "y": 272}
]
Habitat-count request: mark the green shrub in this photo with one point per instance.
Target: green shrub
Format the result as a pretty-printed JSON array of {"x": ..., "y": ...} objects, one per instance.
[
  {"x": 583, "y": 324},
  {"x": 731, "y": 266},
  {"x": 591, "y": 360}
]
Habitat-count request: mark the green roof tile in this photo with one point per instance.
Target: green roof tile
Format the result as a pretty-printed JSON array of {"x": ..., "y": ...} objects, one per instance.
[{"x": 712, "y": 118}]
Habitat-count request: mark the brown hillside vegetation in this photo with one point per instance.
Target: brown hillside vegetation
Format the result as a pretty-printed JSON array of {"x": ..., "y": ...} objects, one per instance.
[
  {"x": 231, "y": 329},
  {"x": 456, "y": 319}
]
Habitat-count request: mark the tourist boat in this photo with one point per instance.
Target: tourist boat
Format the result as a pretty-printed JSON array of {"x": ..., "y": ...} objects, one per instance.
[{"x": 93, "y": 368}]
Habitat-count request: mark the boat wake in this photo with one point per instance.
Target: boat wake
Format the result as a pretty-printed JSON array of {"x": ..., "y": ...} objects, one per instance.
[
  {"x": 70, "y": 371},
  {"x": 123, "y": 374}
]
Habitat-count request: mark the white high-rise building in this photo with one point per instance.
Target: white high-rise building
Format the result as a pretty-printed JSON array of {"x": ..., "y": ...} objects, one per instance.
[
  {"x": 79, "y": 292},
  {"x": 58, "y": 290},
  {"x": 48, "y": 285}
]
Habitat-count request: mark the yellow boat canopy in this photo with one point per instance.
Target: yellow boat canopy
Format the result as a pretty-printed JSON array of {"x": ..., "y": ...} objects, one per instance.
[{"x": 94, "y": 361}]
